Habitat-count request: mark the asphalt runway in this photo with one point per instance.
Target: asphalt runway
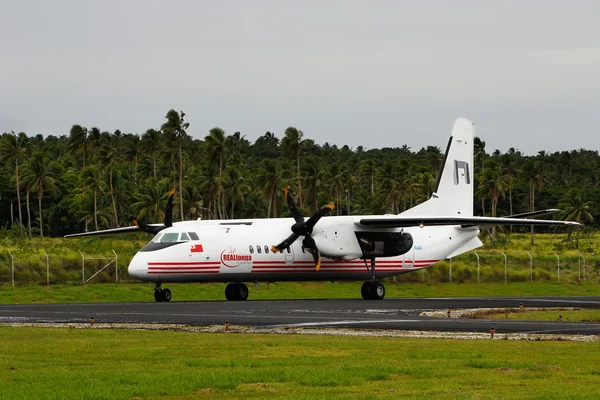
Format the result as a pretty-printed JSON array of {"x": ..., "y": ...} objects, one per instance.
[{"x": 390, "y": 314}]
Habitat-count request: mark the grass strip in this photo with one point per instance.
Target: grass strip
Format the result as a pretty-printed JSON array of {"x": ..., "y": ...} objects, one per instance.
[{"x": 55, "y": 363}]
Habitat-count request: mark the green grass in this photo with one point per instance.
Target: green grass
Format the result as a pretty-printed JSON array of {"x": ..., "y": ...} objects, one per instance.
[
  {"x": 55, "y": 363},
  {"x": 143, "y": 292}
]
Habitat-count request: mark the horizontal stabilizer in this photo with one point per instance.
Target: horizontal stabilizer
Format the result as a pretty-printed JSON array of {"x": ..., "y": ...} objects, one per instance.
[{"x": 533, "y": 213}]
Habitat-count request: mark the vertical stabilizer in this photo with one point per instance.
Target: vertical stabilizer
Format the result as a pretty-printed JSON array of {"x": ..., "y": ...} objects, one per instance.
[{"x": 453, "y": 194}]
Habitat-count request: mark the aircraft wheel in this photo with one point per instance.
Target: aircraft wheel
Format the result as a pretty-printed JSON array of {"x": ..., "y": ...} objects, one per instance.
[
  {"x": 364, "y": 290},
  {"x": 166, "y": 295},
  {"x": 158, "y": 296},
  {"x": 377, "y": 291},
  {"x": 241, "y": 291},
  {"x": 229, "y": 289}
]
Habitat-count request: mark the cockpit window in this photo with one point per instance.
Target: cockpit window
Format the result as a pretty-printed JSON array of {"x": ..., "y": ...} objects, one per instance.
[
  {"x": 170, "y": 237},
  {"x": 193, "y": 235},
  {"x": 184, "y": 237},
  {"x": 157, "y": 238}
]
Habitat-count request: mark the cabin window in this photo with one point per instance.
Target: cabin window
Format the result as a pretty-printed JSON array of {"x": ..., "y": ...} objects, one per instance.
[
  {"x": 193, "y": 235},
  {"x": 184, "y": 237},
  {"x": 170, "y": 237},
  {"x": 251, "y": 249},
  {"x": 258, "y": 250},
  {"x": 266, "y": 249}
]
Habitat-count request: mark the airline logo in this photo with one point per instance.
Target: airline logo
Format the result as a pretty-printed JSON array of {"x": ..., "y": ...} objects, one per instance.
[
  {"x": 231, "y": 259},
  {"x": 461, "y": 169},
  {"x": 197, "y": 248}
]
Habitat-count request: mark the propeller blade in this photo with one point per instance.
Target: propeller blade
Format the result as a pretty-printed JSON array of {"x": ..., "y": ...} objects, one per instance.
[
  {"x": 310, "y": 224},
  {"x": 290, "y": 202},
  {"x": 311, "y": 246},
  {"x": 169, "y": 210},
  {"x": 285, "y": 244}
]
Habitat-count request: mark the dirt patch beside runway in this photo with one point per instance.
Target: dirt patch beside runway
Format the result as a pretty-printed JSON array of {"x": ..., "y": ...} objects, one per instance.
[{"x": 237, "y": 329}]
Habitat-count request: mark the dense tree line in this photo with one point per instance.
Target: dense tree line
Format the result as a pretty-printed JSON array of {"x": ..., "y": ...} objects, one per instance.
[{"x": 92, "y": 179}]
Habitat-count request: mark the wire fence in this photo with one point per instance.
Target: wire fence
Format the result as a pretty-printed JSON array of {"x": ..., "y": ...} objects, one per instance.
[{"x": 18, "y": 268}]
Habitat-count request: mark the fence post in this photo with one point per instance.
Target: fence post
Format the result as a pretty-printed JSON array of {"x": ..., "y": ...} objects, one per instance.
[
  {"x": 505, "y": 272},
  {"x": 583, "y": 266},
  {"x": 12, "y": 263},
  {"x": 117, "y": 268},
  {"x": 82, "y": 267},
  {"x": 450, "y": 269},
  {"x": 579, "y": 262},
  {"x": 477, "y": 255},
  {"x": 530, "y": 267},
  {"x": 557, "y": 267},
  {"x": 47, "y": 270}
]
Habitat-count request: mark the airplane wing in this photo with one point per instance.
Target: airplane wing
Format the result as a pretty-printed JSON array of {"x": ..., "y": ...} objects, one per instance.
[
  {"x": 405, "y": 222},
  {"x": 125, "y": 229}
]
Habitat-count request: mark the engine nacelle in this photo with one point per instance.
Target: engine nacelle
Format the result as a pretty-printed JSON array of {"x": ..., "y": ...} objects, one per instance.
[{"x": 384, "y": 244}]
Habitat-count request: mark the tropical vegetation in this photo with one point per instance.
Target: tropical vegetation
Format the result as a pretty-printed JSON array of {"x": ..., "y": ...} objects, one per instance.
[{"x": 91, "y": 179}]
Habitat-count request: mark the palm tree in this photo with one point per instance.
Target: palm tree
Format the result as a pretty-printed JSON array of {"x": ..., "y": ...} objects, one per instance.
[
  {"x": 390, "y": 188},
  {"x": 217, "y": 149},
  {"x": 39, "y": 175},
  {"x": 492, "y": 183},
  {"x": 92, "y": 180},
  {"x": 533, "y": 172},
  {"x": 150, "y": 144},
  {"x": 270, "y": 178},
  {"x": 13, "y": 147},
  {"x": 314, "y": 179},
  {"x": 150, "y": 198},
  {"x": 576, "y": 207},
  {"x": 367, "y": 170},
  {"x": 511, "y": 169},
  {"x": 78, "y": 141},
  {"x": 236, "y": 186},
  {"x": 335, "y": 183},
  {"x": 109, "y": 156},
  {"x": 291, "y": 145},
  {"x": 175, "y": 127}
]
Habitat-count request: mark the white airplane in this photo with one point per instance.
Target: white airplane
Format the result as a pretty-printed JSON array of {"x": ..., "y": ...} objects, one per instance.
[{"x": 335, "y": 248}]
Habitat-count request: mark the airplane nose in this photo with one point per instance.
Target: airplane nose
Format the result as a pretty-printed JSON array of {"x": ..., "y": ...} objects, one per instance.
[{"x": 138, "y": 267}]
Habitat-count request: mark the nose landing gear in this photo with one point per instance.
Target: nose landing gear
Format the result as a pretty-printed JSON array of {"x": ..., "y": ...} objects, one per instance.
[{"x": 161, "y": 295}]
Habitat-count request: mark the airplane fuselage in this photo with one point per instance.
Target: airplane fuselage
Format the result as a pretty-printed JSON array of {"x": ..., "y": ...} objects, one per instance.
[{"x": 240, "y": 251}]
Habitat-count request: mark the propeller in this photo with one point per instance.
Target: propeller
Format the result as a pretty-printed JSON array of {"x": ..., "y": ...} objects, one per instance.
[
  {"x": 168, "y": 218},
  {"x": 303, "y": 228}
]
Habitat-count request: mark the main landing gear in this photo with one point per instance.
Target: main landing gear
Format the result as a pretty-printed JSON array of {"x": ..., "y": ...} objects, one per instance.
[
  {"x": 161, "y": 295},
  {"x": 236, "y": 291},
  {"x": 372, "y": 290}
]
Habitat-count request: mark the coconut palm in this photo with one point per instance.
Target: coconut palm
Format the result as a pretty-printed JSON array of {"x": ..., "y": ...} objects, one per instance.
[
  {"x": 78, "y": 141},
  {"x": 292, "y": 145},
  {"x": 492, "y": 183},
  {"x": 216, "y": 147},
  {"x": 576, "y": 207},
  {"x": 93, "y": 180},
  {"x": 39, "y": 175},
  {"x": 175, "y": 128},
  {"x": 533, "y": 172},
  {"x": 13, "y": 148}
]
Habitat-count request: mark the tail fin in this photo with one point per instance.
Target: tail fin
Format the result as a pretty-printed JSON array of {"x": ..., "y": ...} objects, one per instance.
[{"x": 453, "y": 194}]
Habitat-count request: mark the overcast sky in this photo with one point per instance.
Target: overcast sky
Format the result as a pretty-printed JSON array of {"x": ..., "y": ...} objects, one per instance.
[{"x": 372, "y": 73}]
